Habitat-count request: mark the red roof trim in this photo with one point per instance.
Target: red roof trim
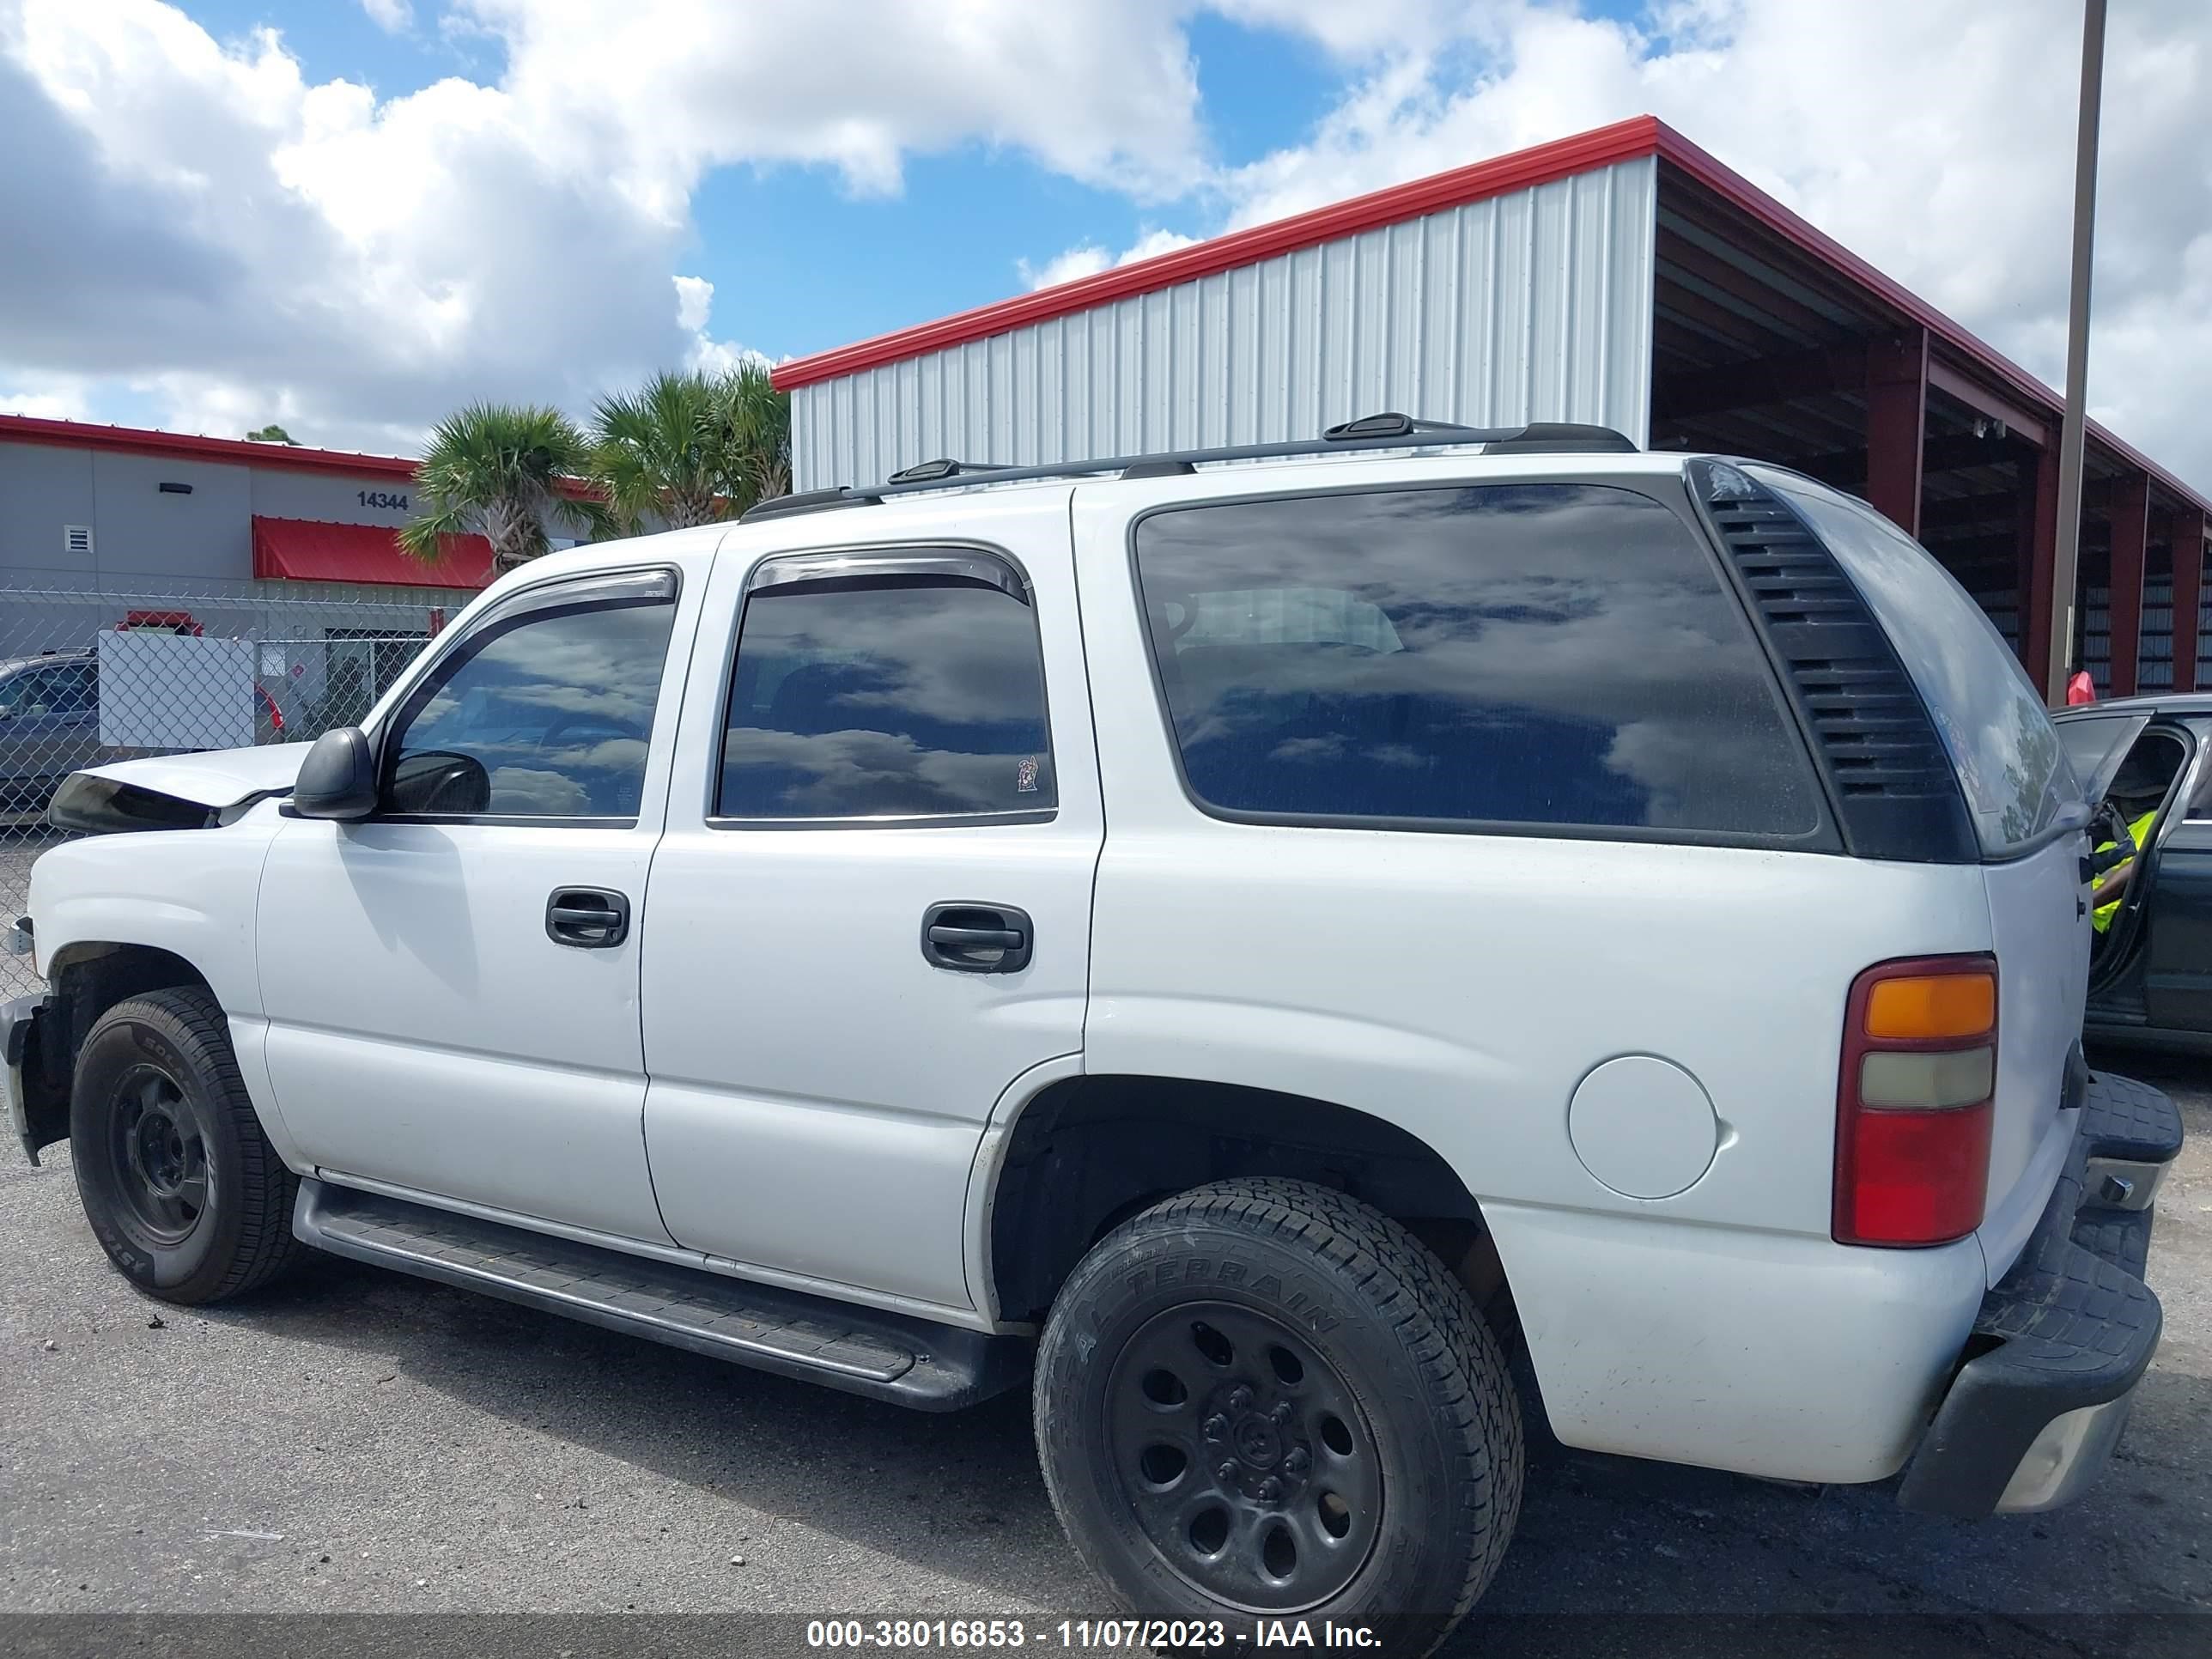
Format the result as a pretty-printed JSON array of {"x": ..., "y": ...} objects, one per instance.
[
  {"x": 315, "y": 550},
  {"x": 225, "y": 452},
  {"x": 1623, "y": 140},
  {"x": 185, "y": 447}
]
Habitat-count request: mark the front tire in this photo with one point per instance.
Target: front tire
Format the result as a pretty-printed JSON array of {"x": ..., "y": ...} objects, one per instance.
[
  {"x": 1264, "y": 1400},
  {"x": 181, "y": 1187}
]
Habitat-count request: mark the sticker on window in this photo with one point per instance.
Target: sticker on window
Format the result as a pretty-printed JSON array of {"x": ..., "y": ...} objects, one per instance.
[{"x": 1025, "y": 775}]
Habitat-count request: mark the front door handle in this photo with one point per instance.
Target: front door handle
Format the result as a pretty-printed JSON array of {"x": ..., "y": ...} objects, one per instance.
[
  {"x": 589, "y": 918},
  {"x": 969, "y": 937}
]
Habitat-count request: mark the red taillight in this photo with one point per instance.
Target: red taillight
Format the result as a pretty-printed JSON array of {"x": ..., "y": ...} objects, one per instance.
[{"x": 1914, "y": 1104}]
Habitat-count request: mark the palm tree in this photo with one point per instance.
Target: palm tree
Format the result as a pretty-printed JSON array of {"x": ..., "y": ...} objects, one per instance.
[
  {"x": 501, "y": 470},
  {"x": 760, "y": 416},
  {"x": 690, "y": 449},
  {"x": 666, "y": 450}
]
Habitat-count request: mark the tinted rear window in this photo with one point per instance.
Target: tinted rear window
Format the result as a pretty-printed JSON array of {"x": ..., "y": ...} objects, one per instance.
[
  {"x": 2008, "y": 759},
  {"x": 1537, "y": 654}
]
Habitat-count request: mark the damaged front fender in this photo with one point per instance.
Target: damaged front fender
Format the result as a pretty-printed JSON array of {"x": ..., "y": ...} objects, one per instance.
[{"x": 37, "y": 1100}]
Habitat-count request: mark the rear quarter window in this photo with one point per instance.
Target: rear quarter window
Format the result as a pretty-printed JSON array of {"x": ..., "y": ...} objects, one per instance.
[
  {"x": 2010, "y": 763},
  {"x": 1524, "y": 655}
]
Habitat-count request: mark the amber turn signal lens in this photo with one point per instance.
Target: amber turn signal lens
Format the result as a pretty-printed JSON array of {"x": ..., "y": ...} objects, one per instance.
[{"x": 1932, "y": 1006}]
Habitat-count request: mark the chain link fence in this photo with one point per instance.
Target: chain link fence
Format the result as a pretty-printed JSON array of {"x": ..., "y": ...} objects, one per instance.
[{"x": 86, "y": 678}]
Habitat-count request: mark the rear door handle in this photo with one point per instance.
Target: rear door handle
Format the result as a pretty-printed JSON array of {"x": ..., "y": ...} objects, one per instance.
[
  {"x": 589, "y": 918},
  {"x": 965, "y": 937}
]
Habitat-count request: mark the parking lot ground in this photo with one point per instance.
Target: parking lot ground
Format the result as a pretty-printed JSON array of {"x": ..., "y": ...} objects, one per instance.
[{"x": 356, "y": 1442}]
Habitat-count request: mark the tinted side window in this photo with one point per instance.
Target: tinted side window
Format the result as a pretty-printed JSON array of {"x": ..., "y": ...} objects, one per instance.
[
  {"x": 890, "y": 697},
  {"x": 2199, "y": 810},
  {"x": 547, "y": 715},
  {"x": 44, "y": 692},
  {"x": 1528, "y": 653},
  {"x": 80, "y": 689},
  {"x": 2009, "y": 760},
  {"x": 64, "y": 689}
]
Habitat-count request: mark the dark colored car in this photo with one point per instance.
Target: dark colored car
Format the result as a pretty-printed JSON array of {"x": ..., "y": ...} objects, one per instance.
[
  {"x": 2150, "y": 972},
  {"x": 49, "y": 725}
]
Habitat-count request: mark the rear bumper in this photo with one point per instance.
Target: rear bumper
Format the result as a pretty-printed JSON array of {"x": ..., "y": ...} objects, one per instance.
[{"x": 2049, "y": 1373}]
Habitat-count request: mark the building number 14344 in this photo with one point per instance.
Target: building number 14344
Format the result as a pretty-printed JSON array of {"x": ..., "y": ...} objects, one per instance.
[{"x": 382, "y": 498}]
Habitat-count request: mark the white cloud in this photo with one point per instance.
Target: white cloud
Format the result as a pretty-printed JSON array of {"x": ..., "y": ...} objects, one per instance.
[
  {"x": 1103, "y": 91},
  {"x": 59, "y": 400},
  {"x": 226, "y": 235},
  {"x": 235, "y": 242},
  {"x": 694, "y": 298},
  {"x": 1369, "y": 29},
  {"x": 1089, "y": 258},
  {"x": 392, "y": 16},
  {"x": 695, "y": 305}
]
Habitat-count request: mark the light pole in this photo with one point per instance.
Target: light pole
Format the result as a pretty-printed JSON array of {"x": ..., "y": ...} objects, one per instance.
[{"x": 2067, "y": 563}]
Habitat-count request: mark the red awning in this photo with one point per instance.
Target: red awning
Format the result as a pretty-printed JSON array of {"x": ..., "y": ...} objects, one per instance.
[{"x": 310, "y": 550}]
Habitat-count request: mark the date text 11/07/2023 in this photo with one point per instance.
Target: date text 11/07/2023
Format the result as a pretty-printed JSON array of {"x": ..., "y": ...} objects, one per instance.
[{"x": 1088, "y": 1635}]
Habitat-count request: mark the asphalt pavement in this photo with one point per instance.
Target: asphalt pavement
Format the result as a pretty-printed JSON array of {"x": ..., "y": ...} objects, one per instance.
[{"x": 354, "y": 1442}]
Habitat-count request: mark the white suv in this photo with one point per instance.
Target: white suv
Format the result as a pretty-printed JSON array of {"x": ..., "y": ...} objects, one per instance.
[{"x": 1314, "y": 958}]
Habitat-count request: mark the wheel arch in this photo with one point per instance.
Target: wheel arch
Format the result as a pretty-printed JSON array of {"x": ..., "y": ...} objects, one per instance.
[
  {"x": 1081, "y": 1152},
  {"x": 90, "y": 976}
]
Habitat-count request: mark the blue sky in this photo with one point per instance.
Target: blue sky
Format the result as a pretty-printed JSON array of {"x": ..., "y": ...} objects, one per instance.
[{"x": 836, "y": 269}]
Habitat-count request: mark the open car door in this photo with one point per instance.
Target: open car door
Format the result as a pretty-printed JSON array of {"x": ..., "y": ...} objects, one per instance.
[
  {"x": 2119, "y": 970},
  {"x": 2177, "y": 949}
]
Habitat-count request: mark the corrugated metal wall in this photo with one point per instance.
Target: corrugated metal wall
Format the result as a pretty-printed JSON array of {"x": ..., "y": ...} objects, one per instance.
[
  {"x": 1531, "y": 305},
  {"x": 2155, "y": 649}
]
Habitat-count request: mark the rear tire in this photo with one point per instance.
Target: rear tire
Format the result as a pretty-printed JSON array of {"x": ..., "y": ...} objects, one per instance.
[
  {"x": 1264, "y": 1400},
  {"x": 181, "y": 1187}
]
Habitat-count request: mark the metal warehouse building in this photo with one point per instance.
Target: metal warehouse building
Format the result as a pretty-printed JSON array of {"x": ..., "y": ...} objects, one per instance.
[
  {"x": 1622, "y": 277},
  {"x": 104, "y": 526}
]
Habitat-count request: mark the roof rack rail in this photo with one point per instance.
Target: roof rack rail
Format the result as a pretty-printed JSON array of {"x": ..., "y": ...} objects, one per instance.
[
  {"x": 945, "y": 467},
  {"x": 1389, "y": 430},
  {"x": 806, "y": 501}
]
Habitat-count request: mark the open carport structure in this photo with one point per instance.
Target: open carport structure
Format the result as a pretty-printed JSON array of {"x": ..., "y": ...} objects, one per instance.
[{"x": 1621, "y": 275}]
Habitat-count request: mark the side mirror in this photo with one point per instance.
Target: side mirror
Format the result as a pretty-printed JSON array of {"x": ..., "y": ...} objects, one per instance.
[{"x": 338, "y": 778}]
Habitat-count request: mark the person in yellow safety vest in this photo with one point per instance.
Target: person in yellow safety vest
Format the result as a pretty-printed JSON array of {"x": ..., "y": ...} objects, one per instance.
[{"x": 2115, "y": 869}]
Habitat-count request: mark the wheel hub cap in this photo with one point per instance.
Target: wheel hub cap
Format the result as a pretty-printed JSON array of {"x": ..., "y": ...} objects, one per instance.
[
  {"x": 157, "y": 1155},
  {"x": 1248, "y": 1463}
]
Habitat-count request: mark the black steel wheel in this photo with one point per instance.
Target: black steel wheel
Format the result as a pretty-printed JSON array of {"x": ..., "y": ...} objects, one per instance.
[
  {"x": 1261, "y": 1399},
  {"x": 157, "y": 1154},
  {"x": 1247, "y": 1457},
  {"x": 180, "y": 1182}
]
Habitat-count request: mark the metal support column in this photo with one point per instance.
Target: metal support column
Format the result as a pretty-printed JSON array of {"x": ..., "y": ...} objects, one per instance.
[
  {"x": 2188, "y": 592},
  {"x": 2038, "y": 492},
  {"x": 1896, "y": 419},
  {"x": 2131, "y": 521},
  {"x": 2075, "y": 430}
]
